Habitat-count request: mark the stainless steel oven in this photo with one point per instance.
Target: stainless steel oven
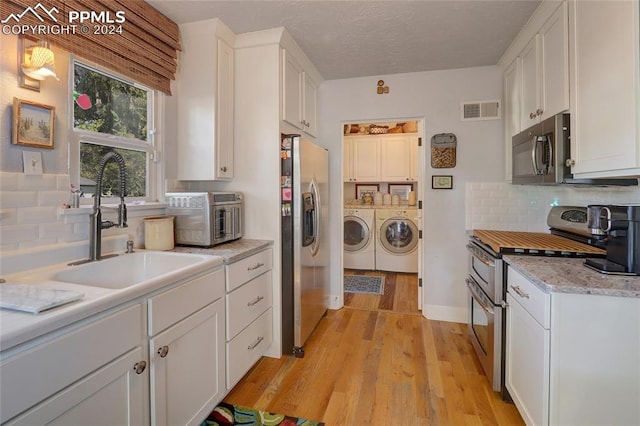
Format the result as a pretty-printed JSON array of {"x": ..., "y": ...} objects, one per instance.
[{"x": 487, "y": 311}]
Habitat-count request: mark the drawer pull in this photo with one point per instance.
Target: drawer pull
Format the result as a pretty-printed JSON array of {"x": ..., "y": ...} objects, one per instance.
[
  {"x": 256, "y": 301},
  {"x": 163, "y": 351},
  {"x": 519, "y": 292},
  {"x": 253, "y": 268},
  {"x": 257, "y": 342},
  {"x": 139, "y": 367}
]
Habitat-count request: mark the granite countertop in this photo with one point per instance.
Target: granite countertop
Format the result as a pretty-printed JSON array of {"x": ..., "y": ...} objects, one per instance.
[
  {"x": 569, "y": 275},
  {"x": 232, "y": 251}
]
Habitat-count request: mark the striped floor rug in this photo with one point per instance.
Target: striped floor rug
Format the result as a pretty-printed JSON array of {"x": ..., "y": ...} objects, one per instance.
[{"x": 363, "y": 284}]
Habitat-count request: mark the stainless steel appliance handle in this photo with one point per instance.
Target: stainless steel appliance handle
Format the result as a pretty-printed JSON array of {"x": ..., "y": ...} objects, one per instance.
[
  {"x": 316, "y": 220},
  {"x": 480, "y": 256},
  {"x": 534, "y": 155},
  {"x": 550, "y": 147},
  {"x": 485, "y": 307}
]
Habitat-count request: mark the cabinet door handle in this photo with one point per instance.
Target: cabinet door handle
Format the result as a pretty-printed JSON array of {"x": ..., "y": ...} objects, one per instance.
[
  {"x": 539, "y": 112},
  {"x": 532, "y": 115},
  {"x": 139, "y": 367},
  {"x": 253, "y": 268},
  {"x": 519, "y": 292},
  {"x": 570, "y": 162},
  {"x": 223, "y": 168},
  {"x": 255, "y": 301},
  {"x": 256, "y": 343},
  {"x": 163, "y": 351}
]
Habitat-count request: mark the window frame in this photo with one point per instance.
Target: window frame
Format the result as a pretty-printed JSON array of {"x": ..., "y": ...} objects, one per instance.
[{"x": 152, "y": 146}]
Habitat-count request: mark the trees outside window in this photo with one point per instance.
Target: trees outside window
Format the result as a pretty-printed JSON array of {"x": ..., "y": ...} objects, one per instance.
[{"x": 110, "y": 114}]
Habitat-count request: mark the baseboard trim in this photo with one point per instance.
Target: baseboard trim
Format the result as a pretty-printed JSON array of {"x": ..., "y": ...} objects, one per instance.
[{"x": 445, "y": 313}]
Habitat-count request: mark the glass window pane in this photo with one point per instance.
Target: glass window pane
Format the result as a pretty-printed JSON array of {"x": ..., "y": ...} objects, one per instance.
[
  {"x": 135, "y": 162},
  {"x": 104, "y": 104}
]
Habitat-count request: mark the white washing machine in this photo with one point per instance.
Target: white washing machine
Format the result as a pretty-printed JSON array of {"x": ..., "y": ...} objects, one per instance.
[
  {"x": 397, "y": 241},
  {"x": 359, "y": 238}
]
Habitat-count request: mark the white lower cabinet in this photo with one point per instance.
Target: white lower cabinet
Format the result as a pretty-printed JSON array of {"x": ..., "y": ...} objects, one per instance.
[
  {"x": 249, "y": 313},
  {"x": 158, "y": 360},
  {"x": 113, "y": 395},
  {"x": 84, "y": 366},
  {"x": 572, "y": 359},
  {"x": 527, "y": 363},
  {"x": 187, "y": 358},
  {"x": 244, "y": 350},
  {"x": 187, "y": 368}
]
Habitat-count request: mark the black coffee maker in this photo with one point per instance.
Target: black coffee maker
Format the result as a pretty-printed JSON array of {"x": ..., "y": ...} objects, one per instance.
[{"x": 621, "y": 225}]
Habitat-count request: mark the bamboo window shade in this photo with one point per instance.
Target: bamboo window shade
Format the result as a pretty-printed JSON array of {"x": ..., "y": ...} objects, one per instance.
[{"x": 146, "y": 51}]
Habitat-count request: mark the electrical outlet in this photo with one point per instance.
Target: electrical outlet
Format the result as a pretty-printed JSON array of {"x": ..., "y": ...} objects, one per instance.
[{"x": 32, "y": 162}]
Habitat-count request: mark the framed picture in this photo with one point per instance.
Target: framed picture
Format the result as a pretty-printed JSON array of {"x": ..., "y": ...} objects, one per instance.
[
  {"x": 401, "y": 191},
  {"x": 441, "y": 181},
  {"x": 363, "y": 189},
  {"x": 33, "y": 124}
]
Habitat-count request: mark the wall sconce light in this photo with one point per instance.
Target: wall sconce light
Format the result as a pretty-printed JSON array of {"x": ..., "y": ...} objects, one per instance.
[
  {"x": 382, "y": 88},
  {"x": 37, "y": 60}
]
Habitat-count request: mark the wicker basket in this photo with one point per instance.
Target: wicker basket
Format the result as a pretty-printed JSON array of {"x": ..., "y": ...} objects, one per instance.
[{"x": 378, "y": 130}]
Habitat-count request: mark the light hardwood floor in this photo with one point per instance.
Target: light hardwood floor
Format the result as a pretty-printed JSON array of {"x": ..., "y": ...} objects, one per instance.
[
  {"x": 400, "y": 293},
  {"x": 367, "y": 365}
]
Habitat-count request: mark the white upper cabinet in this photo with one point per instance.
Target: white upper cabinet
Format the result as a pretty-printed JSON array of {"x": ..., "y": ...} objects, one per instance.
[
  {"x": 298, "y": 95},
  {"x": 292, "y": 80},
  {"x": 366, "y": 159},
  {"x": 309, "y": 118},
  {"x": 511, "y": 111},
  {"x": 605, "y": 95},
  {"x": 382, "y": 158},
  {"x": 545, "y": 70},
  {"x": 531, "y": 82},
  {"x": 205, "y": 97},
  {"x": 396, "y": 152}
]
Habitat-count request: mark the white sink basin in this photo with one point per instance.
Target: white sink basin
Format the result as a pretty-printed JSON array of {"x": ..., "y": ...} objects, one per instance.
[{"x": 130, "y": 269}]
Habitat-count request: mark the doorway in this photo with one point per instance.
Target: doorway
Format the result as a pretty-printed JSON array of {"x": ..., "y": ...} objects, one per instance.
[{"x": 382, "y": 193}]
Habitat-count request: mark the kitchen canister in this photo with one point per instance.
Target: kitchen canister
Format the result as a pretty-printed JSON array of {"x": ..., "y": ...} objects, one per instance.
[
  {"x": 386, "y": 199},
  {"x": 377, "y": 199},
  {"x": 412, "y": 198},
  {"x": 158, "y": 233}
]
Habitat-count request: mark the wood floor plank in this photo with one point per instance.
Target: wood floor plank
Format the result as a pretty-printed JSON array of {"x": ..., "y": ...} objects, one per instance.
[{"x": 369, "y": 366}]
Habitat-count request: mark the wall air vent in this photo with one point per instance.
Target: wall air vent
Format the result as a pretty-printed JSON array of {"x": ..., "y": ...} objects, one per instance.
[{"x": 480, "y": 110}]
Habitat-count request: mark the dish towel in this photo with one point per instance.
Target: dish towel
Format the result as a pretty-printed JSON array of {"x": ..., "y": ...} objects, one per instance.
[{"x": 34, "y": 298}]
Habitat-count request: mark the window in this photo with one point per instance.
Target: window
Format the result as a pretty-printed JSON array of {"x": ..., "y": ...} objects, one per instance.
[{"x": 111, "y": 114}]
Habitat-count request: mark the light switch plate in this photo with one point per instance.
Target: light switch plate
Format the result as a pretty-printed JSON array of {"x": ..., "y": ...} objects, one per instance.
[{"x": 32, "y": 162}]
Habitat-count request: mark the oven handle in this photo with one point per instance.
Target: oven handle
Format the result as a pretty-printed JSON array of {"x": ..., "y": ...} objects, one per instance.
[
  {"x": 480, "y": 256},
  {"x": 471, "y": 284}
]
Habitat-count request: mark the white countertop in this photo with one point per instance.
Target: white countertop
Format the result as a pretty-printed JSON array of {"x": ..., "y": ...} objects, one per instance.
[{"x": 18, "y": 327}]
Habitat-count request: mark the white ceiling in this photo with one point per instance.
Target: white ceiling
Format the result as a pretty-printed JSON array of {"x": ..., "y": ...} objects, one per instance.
[{"x": 346, "y": 39}]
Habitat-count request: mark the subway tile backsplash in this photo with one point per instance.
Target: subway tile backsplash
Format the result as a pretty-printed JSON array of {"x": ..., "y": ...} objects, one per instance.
[
  {"x": 30, "y": 215},
  {"x": 507, "y": 207}
]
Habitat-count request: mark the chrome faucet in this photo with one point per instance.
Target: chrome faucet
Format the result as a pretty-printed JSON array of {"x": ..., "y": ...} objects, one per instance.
[{"x": 96, "y": 225}]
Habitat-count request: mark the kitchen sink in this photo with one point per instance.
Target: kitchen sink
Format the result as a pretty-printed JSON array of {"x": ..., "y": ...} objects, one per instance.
[{"x": 130, "y": 269}]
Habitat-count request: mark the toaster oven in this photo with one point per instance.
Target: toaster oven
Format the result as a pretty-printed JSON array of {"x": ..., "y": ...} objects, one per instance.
[{"x": 206, "y": 218}]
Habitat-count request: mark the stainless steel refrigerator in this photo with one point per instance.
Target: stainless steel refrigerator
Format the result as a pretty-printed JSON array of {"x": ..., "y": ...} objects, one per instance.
[{"x": 304, "y": 182}]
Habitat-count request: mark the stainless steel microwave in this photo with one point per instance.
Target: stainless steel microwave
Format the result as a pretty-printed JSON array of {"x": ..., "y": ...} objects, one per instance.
[
  {"x": 206, "y": 218},
  {"x": 540, "y": 154}
]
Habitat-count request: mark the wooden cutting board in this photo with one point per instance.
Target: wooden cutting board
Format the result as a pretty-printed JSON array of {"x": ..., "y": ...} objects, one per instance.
[{"x": 498, "y": 240}]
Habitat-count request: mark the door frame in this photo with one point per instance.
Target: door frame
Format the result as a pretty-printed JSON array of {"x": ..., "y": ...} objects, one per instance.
[{"x": 420, "y": 191}]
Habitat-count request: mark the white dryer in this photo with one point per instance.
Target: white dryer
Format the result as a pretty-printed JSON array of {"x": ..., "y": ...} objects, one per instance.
[
  {"x": 359, "y": 238},
  {"x": 397, "y": 241}
]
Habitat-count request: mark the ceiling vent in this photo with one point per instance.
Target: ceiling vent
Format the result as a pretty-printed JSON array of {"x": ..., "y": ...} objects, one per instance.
[{"x": 480, "y": 110}]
